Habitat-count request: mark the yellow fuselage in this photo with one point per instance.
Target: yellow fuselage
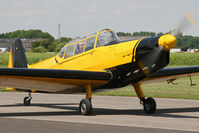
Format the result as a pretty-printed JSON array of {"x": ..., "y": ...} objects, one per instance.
[{"x": 97, "y": 59}]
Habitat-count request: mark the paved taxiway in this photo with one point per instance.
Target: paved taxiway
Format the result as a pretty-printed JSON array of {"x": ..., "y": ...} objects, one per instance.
[{"x": 58, "y": 113}]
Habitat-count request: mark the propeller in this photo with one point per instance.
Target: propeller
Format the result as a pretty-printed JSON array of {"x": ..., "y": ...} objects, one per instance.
[
  {"x": 166, "y": 42},
  {"x": 148, "y": 62}
]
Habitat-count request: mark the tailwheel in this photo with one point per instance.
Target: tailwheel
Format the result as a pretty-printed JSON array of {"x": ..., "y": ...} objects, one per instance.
[
  {"x": 149, "y": 105},
  {"x": 27, "y": 100},
  {"x": 85, "y": 107}
]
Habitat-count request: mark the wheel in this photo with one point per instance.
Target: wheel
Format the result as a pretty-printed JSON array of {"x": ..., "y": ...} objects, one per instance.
[
  {"x": 149, "y": 106},
  {"x": 85, "y": 107},
  {"x": 26, "y": 101}
]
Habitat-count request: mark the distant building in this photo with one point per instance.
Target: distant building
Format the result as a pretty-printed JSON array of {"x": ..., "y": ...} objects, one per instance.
[
  {"x": 175, "y": 50},
  {"x": 192, "y": 50},
  {"x": 27, "y": 43},
  {"x": 4, "y": 49}
]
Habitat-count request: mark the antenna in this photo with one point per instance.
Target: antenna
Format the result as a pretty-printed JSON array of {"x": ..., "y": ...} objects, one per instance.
[{"x": 59, "y": 30}]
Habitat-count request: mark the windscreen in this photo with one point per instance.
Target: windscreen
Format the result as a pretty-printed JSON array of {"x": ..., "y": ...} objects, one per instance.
[{"x": 107, "y": 38}]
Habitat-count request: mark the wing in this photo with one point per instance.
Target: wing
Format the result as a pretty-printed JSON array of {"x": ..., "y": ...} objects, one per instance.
[
  {"x": 172, "y": 73},
  {"x": 52, "y": 80}
]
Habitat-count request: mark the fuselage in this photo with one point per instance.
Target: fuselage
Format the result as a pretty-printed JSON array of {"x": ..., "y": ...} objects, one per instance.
[{"x": 103, "y": 51}]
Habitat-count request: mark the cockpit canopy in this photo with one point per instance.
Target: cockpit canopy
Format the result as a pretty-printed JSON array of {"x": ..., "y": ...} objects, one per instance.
[{"x": 102, "y": 38}]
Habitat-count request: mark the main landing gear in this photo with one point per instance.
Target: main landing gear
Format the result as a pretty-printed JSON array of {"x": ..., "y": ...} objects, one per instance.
[
  {"x": 149, "y": 104},
  {"x": 27, "y": 100},
  {"x": 85, "y": 106}
]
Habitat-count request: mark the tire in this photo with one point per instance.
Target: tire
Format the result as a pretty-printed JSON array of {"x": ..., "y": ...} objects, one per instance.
[
  {"x": 85, "y": 107},
  {"x": 149, "y": 106},
  {"x": 26, "y": 101}
]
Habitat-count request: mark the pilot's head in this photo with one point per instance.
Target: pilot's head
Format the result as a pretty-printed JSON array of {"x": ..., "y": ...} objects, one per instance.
[{"x": 81, "y": 46}]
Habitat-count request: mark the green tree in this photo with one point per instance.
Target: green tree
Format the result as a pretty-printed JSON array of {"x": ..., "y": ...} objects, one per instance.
[
  {"x": 159, "y": 34},
  {"x": 47, "y": 44},
  {"x": 27, "y": 34},
  {"x": 144, "y": 33},
  {"x": 39, "y": 49},
  {"x": 59, "y": 43},
  {"x": 59, "y": 46},
  {"x": 62, "y": 39},
  {"x": 124, "y": 34}
]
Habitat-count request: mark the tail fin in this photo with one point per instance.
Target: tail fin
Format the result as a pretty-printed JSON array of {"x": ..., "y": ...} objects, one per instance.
[{"x": 17, "y": 57}]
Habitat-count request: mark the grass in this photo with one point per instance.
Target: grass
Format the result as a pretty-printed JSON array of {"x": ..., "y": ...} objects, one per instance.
[
  {"x": 31, "y": 57},
  {"x": 162, "y": 89},
  {"x": 4, "y": 58},
  {"x": 159, "y": 89},
  {"x": 3, "y": 65},
  {"x": 180, "y": 59}
]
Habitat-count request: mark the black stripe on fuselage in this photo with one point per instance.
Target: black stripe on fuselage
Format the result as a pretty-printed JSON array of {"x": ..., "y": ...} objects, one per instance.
[
  {"x": 55, "y": 73},
  {"x": 135, "y": 48}
]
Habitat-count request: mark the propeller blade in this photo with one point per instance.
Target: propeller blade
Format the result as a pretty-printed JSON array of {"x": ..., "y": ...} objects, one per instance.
[
  {"x": 185, "y": 23},
  {"x": 149, "y": 61}
]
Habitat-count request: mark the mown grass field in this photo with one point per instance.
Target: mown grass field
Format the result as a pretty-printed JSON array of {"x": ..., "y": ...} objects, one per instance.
[
  {"x": 184, "y": 59},
  {"x": 31, "y": 57},
  {"x": 160, "y": 89}
]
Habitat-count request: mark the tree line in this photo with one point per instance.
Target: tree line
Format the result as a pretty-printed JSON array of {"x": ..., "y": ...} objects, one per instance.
[
  {"x": 27, "y": 34},
  {"x": 141, "y": 33},
  {"x": 50, "y": 44},
  {"x": 183, "y": 41}
]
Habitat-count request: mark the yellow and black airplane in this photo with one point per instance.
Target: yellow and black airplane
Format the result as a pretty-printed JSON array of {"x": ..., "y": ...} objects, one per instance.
[{"x": 97, "y": 61}]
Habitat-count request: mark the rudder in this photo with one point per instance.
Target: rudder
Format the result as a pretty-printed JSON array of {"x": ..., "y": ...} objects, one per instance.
[{"x": 17, "y": 58}]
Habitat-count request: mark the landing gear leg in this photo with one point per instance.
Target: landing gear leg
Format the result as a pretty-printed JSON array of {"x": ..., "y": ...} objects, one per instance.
[
  {"x": 149, "y": 104},
  {"x": 27, "y": 100},
  {"x": 85, "y": 106}
]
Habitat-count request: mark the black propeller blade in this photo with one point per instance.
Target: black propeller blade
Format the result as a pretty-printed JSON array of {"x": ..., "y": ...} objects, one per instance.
[{"x": 149, "y": 61}]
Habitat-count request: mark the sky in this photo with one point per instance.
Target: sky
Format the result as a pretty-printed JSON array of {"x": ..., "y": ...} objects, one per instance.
[{"x": 82, "y": 17}]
